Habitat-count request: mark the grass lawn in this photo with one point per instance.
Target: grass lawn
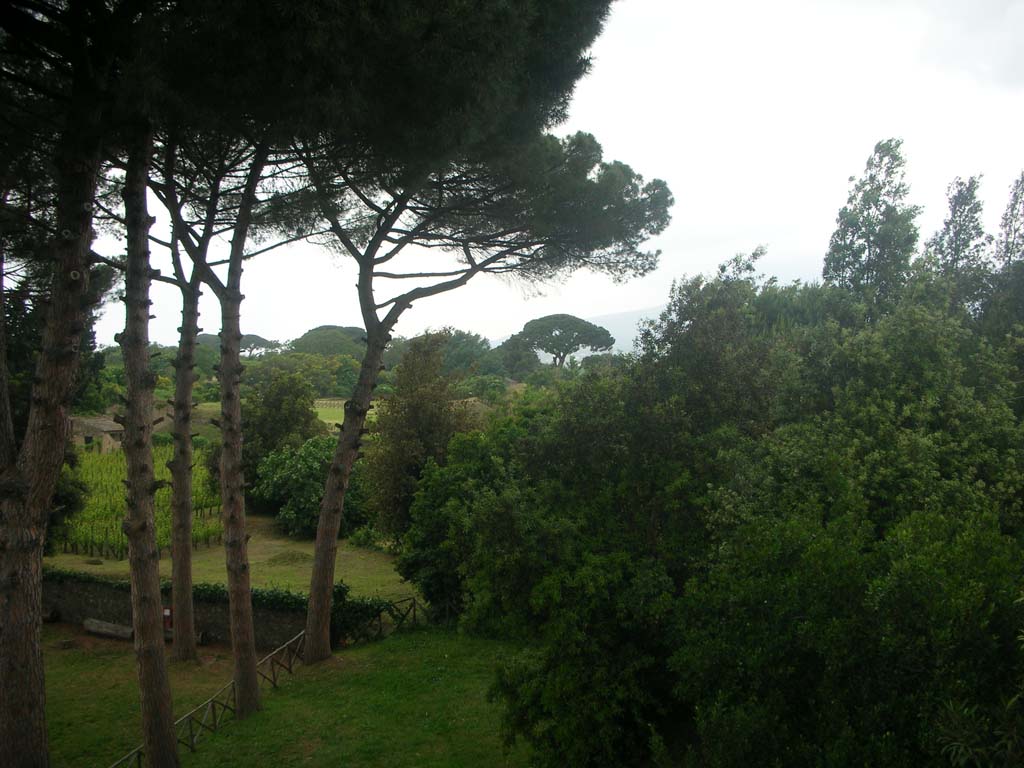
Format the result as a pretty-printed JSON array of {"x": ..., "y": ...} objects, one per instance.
[
  {"x": 275, "y": 560},
  {"x": 92, "y": 694},
  {"x": 331, "y": 414},
  {"x": 414, "y": 699}
]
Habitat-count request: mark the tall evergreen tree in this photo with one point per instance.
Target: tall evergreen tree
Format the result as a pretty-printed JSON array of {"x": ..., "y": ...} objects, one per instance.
[
  {"x": 1010, "y": 246},
  {"x": 414, "y": 426},
  {"x": 875, "y": 233},
  {"x": 960, "y": 248}
]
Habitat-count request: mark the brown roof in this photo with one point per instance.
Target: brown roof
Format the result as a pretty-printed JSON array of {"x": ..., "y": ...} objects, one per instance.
[{"x": 92, "y": 425}]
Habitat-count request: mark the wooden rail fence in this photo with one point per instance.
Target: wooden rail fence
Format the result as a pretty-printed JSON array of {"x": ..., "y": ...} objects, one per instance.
[
  {"x": 398, "y": 612},
  {"x": 209, "y": 716}
]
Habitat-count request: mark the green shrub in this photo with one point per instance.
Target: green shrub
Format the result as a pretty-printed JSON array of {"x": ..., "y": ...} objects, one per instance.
[
  {"x": 367, "y": 537},
  {"x": 69, "y": 499},
  {"x": 162, "y": 439},
  {"x": 290, "y": 484}
]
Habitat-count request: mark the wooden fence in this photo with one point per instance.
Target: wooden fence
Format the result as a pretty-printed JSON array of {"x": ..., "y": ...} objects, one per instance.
[
  {"x": 209, "y": 716},
  {"x": 397, "y": 613}
]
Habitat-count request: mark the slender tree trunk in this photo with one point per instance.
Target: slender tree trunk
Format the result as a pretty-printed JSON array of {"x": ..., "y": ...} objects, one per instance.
[
  {"x": 232, "y": 494},
  {"x": 8, "y": 444},
  {"x": 232, "y": 481},
  {"x": 161, "y": 746},
  {"x": 27, "y": 483},
  {"x": 184, "y": 628},
  {"x": 318, "y": 618}
]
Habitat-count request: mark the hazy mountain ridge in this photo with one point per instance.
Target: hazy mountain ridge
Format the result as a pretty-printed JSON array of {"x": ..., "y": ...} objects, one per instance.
[{"x": 624, "y": 326}]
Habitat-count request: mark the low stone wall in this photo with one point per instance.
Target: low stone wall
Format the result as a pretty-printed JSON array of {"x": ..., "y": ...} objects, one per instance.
[{"x": 71, "y": 600}]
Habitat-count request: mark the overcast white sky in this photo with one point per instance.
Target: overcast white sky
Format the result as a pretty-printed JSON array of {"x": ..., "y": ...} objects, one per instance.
[{"x": 756, "y": 114}]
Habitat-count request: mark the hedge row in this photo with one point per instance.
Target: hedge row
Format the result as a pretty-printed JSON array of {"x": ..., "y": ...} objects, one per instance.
[{"x": 349, "y": 615}]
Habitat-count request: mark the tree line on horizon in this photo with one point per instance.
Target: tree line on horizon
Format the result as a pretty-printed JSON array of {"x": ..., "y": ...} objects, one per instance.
[{"x": 326, "y": 356}]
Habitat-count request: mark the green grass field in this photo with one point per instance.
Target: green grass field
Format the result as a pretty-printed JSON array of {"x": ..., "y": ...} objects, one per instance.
[
  {"x": 415, "y": 699},
  {"x": 332, "y": 411},
  {"x": 331, "y": 414},
  {"x": 274, "y": 559},
  {"x": 92, "y": 692}
]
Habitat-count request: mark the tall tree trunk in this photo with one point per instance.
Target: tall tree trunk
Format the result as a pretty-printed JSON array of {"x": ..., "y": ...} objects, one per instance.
[
  {"x": 8, "y": 443},
  {"x": 27, "y": 484},
  {"x": 161, "y": 746},
  {"x": 184, "y": 628},
  {"x": 232, "y": 495},
  {"x": 318, "y": 619},
  {"x": 232, "y": 481}
]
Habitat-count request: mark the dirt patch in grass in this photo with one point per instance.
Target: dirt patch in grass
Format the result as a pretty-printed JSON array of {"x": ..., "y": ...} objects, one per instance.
[{"x": 290, "y": 558}]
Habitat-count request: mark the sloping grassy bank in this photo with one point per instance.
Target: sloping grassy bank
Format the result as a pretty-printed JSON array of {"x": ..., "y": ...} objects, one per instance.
[{"x": 414, "y": 699}]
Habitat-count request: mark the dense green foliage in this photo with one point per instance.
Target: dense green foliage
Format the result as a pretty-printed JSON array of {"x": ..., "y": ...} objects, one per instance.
[
  {"x": 24, "y": 312},
  {"x": 275, "y": 416},
  {"x": 1010, "y": 244},
  {"x": 876, "y": 232},
  {"x": 788, "y": 532},
  {"x": 465, "y": 353},
  {"x": 516, "y": 357},
  {"x": 413, "y": 426},
  {"x": 328, "y": 375},
  {"x": 69, "y": 499},
  {"x": 291, "y": 484}
]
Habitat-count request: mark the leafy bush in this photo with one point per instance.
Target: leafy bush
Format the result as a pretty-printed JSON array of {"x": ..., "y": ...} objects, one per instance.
[
  {"x": 490, "y": 389},
  {"x": 610, "y": 634},
  {"x": 351, "y": 618},
  {"x": 291, "y": 484},
  {"x": 277, "y": 415},
  {"x": 367, "y": 537},
  {"x": 162, "y": 439},
  {"x": 69, "y": 499}
]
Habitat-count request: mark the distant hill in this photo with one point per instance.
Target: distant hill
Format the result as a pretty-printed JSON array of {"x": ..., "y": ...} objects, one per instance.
[
  {"x": 623, "y": 325},
  {"x": 331, "y": 340},
  {"x": 208, "y": 339}
]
